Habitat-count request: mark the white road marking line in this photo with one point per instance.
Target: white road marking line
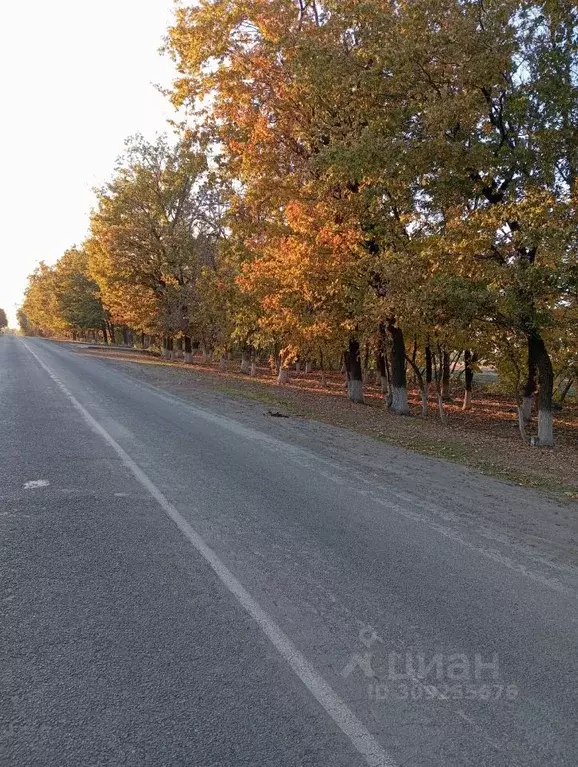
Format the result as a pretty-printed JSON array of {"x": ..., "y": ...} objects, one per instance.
[
  {"x": 36, "y": 483},
  {"x": 360, "y": 737}
]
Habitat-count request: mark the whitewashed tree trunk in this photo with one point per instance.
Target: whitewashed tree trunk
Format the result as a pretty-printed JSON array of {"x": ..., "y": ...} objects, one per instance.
[
  {"x": 298, "y": 366},
  {"x": 383, "y": 385},
  {"x": 467, "y": 400},
  {"x": 355, "y": 391},
  {"x": 443, "y": 416},
  {"x": 399, "y": 404},
  {"x": 545, "y": 428},
  {"x": 424, "y": 402},
  {"x": 283, "y": 376},
  {"x": 522, "y": 425},
  {"x": 205, "y": 357},
  {"x": 223, "y": 364},
  {"x": 253, "y": 371},
  {"x": 245, "y": 364},
  {"x": 308, "y": 367},
  {"x": 189, "y": 358},
  {"x": 527, "y": 404}
]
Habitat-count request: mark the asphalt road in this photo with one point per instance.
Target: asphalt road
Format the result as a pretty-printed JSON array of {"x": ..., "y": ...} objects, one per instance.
[{"x": 179, "y": 588}]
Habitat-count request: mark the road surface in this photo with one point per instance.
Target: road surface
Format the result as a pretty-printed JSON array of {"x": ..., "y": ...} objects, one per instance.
[{"x": 181, "y": 588}]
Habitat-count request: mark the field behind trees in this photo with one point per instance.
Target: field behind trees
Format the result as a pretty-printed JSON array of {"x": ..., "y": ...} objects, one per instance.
[{"x": 379, "y": 198}]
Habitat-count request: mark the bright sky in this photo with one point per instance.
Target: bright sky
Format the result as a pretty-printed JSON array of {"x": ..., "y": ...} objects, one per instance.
[{"x": 76, "y": 79}]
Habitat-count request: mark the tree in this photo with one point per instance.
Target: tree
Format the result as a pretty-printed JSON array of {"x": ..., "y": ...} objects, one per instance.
[
  {"x": 62, "y": 299},
  {"x": 469, "y": 115},
  {"x": 3, "y": 320},
  {"x": 155, "y": 227},
  {"x": 23, "y": 322},
  {"x": 361, "y": 176},
  {"x": 77, "y": 295},
  {"x": 249, "y": 75},
  {"x": 41, "y": 306}
]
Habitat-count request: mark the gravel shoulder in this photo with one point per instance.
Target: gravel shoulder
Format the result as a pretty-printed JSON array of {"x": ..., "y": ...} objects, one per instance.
[{"x": 373, "y": 444}]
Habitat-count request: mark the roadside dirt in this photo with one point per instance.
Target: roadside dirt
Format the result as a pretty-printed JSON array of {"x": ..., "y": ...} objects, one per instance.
[{"x": 485, "y": 439}]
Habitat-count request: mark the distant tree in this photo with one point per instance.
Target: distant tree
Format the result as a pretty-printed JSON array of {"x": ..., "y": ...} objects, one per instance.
[
  {"x": 77, "y": 295},
  {"x": 23, "y": 322},
  {"x": 41, "y": 303},
  {"x": 157, "y": 224},
  {"x": 63, "y": 299},
  {"x": 3, "y": 320}
]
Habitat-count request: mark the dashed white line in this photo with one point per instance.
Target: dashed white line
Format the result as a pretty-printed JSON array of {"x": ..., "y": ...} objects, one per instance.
[{"x": 36, "y": 483}]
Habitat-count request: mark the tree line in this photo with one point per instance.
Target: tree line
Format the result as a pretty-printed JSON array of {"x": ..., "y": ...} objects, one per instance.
[{"x": 392, "y": 185}]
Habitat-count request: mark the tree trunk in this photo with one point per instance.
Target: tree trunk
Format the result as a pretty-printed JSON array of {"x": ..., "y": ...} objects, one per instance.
[
  {"x": 322, "y": 368},
  {"x": 104, "y": 334},
  {"x": 531, "y": 381},
  {"x": 253, "y": 371},
  {"x": 565, "y": 390},
  {"x": 366, "y": 377},
  {"x": 171, "y": 349},
  {"x": 424, "y": 401},
  {"x": 398, "y": 377},
  {"x": 443, "y": 416},
  {"x": 469, "y": 379},
  {"x": 188, "y": 350},
  {"x": 437, "y": 365},
  {"x": 283, "y": 372},
  {"x": 382, "y": 370},
  {"x": 446, "y": 373},
  {"x": 420, "y": 380},
  {"x": 527, "y": 405},
  {"x": 383, "y": 366},
  {"x": 245, "y": 363},
  {"x": 546, "y": 389},
  {"x": 522, "y": 425},
  {"x": 223, "y": 363},
  {"x": 352, "y": 359},
  {"x": 308, "y": 366},
  {"x": 428, "y": 366}
]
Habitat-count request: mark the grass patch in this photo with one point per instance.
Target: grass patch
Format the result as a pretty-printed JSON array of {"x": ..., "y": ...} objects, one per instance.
[
  {"x": 445, "y": 449},
  {"x": 255, "y": 395}
]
